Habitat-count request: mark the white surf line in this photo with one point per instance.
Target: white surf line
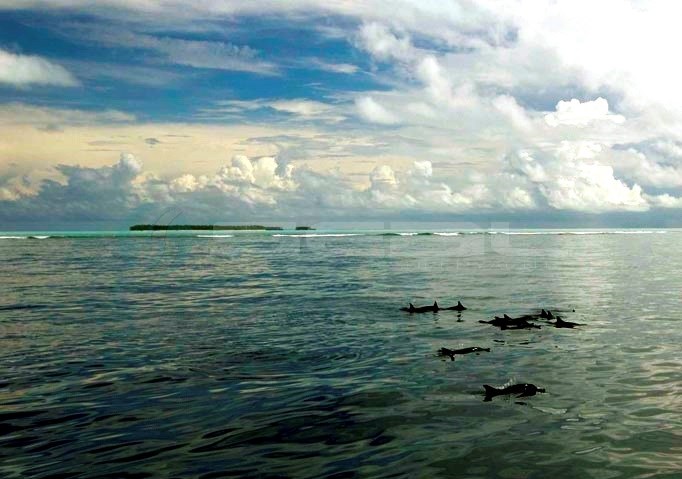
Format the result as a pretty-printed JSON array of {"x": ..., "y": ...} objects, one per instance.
[
  {"x": 319, "y": 235},
  {"x": 569, "y": 233}
]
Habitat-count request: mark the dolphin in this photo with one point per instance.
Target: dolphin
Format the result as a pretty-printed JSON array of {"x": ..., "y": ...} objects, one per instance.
[
  {"x": 507, "y": 322},
  {"x": 458, "y": 307},
  {"x": 523, "y": 390},
  {"x": 422, "y": 309},
  {"x": 451, "y": 352},
  {"x": 560, "y": 323},
  {"x": 409, "y": 309}
]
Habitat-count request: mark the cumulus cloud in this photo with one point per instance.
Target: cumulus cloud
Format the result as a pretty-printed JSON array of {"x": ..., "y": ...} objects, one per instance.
[
  {"x": 571, "y": 178},
  {"x": 665, "y": 201},
  {"x": 516, "y": 114},
  {"x": 25, "y": 70},
  {"x": 576, "y": 113},
  {"x": 568, "y": 179},
  {"x": 84, "y": 194},
  {"x": 657, "y": 164},
  {"x": 14, "y": 187},
  {"x": 185, "y": 183}
]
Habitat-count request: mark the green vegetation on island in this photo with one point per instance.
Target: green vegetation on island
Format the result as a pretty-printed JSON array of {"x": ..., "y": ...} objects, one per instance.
[{"x": 203, "y": 227}]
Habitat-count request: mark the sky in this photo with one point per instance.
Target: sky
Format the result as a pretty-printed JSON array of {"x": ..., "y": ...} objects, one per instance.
[{"x": 538, "y": 113}]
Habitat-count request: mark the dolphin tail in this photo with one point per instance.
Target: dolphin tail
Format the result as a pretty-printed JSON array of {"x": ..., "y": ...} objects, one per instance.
[{"x": 447, "y": 352}]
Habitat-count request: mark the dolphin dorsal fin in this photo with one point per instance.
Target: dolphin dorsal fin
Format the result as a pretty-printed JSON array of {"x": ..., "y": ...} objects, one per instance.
[
  {"x": 506, "y": 316},
  {"x": 459, "y": 303},
  {"x": 411, "y": 307},
  {"x": 435, "y": 304}
]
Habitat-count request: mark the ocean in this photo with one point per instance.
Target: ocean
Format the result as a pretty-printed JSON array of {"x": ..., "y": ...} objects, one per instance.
[{"x": 284, "y": 354}]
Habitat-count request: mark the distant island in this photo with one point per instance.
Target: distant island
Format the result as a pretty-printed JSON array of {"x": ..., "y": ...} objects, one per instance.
[{"x": 213, "y": 227}]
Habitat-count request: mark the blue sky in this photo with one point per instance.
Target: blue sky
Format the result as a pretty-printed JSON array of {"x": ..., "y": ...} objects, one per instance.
[
  {"x": 229, "y": 111},
  {"x": 106, "y": 62}
]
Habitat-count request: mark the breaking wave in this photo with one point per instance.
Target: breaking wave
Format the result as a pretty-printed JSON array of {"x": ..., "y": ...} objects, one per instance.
[
  {"x": 23, "y": 237},
  {"x": 318, "y": 235}
]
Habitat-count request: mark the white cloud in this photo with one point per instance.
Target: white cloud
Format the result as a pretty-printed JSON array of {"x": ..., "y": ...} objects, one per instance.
[
  {"x": 298, "y": 108},
  {"x": 645, "y": 170},
  {"x": 383, "y": 178},
  {"x": 23, "y": 114},
  {"x": 306, "y": 108},
  {"x": 26, "y": 70},
  {"x": 508, "y": 106},
  {"x": 205, "y": 54},
  {"x": 571, "y": 178},
  {"x": 384, "y": 44},
  {"x": 85, "y": 193},
  {"x": 665, "y": 201},
  {"x": 264, "y": 186},
  {"x": 575, "y": 113},
  {"x": 184, "y": 183},
  {"x": 194, "y": 53},
  {"x": 371, "y": 111},
  {"x": 466, "y": 85},
  {"x": 344, "y": 68}
]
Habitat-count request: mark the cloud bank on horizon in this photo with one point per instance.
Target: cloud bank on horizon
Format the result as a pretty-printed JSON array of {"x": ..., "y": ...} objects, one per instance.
[{"x": 338, "y": 109}]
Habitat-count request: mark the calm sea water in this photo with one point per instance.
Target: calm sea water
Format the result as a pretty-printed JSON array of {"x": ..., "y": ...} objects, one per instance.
[{"x": 255, "y": 355}]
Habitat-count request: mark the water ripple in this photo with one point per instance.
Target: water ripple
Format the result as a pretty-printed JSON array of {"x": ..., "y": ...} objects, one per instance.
[{"x": 264, "y": 357}]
